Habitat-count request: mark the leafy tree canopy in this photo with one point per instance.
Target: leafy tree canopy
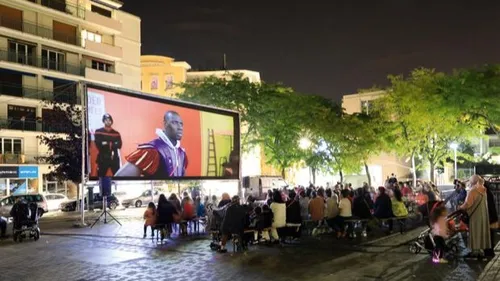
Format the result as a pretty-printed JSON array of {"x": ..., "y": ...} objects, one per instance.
[{"x": 63, "y": 137}]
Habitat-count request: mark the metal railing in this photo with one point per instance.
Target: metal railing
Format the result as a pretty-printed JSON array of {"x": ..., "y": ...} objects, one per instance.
[
  {"x": 62, "y": 6},
  {"x": 33, "y": 60},
  {"x": 39, "y": 30},
  {"x": 20, "y": 158},
  {"x": 31, "y": 125},
  {"x": 59, "y": 95}
]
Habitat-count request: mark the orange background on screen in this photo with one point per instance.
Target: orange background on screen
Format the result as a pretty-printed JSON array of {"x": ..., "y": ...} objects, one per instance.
[{"x": 137, "y": 120}]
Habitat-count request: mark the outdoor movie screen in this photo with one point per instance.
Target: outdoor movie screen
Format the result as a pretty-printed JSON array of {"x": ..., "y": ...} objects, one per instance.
[{"x": 139, "y": 136}]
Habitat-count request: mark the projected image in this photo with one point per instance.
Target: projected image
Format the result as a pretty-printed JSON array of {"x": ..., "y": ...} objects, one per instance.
[{"x": 132, "y": 137}]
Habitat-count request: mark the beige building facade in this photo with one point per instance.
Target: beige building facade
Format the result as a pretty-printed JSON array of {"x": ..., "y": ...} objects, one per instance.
[
  {"x": 46, "y": 48},
  {"x": 383, "y": 165},
  {"x": 162, "y": 75}
]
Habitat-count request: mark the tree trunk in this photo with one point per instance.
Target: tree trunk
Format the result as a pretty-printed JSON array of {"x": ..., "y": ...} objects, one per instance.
[
  {"x": 283, "y": 173},
  {"x": 432, "y": 168},
  {"x": 341, "y": 176},
  {"x": 368, "y": 175},
  {"x": 414, "y": 170},
  {"x": 313, "y": 172}
]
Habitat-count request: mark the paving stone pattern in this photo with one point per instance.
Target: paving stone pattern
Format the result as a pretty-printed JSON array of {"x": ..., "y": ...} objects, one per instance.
[
  {"x": 109, "y": 252},
  {"x": 492, "y": 271}
]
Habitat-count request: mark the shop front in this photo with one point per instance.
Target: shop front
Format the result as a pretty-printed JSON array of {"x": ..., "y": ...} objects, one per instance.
[{"x": 18, "y": 180}]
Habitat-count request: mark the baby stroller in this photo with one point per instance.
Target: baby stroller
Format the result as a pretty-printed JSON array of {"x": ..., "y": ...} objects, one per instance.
[
  {"x": 25, "y": 221},
  {"x": 425, "y": 240}
]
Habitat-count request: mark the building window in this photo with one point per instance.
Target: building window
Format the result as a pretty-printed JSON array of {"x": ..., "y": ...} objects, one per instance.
[
  {"x": 169, "y": 82},
  {"x": 53, "y": 60},
  {"x": 90, "y": 36},
  {"x": 154, "y": 83},
  {"x": 21, "y": 117},
  {"x": 11, "y": 146},
  {"x": 55, "y": 4},
  {"x": 102, "y": 66},
  {"x": 21, "y": 53},
  {"x": 101, "y": 11},
  {"x": 366, "y": 106}
]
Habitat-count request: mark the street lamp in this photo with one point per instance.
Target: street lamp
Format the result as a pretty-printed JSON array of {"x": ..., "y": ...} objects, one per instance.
[{"x": 454, "y": 146}]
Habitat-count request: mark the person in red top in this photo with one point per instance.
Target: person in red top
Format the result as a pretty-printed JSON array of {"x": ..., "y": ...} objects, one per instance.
[
  {"x": 108, "y": 142},
  {"x": 162, "y": 157},
  {"x": 406, "y": 191}
]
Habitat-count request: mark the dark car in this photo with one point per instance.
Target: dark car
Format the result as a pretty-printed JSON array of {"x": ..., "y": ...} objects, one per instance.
[{"x": 112, "y": 203}]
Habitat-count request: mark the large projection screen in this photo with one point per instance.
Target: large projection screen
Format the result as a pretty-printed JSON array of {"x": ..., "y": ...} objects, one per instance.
[{"x": 134, "y": 136}]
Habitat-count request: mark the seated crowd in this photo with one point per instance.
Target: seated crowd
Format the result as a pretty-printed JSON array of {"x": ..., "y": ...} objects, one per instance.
[{"x": 280, "y": 216}]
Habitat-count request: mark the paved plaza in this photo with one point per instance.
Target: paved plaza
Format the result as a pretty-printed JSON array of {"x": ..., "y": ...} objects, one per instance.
[{"x": 110, "y": 252}]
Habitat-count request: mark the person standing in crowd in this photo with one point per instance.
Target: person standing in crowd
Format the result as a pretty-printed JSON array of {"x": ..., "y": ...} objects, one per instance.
[
  {"x": 494, "y": 224},
  {"x": 108, "y": 142},
  {"x": 476, "y": 206}
]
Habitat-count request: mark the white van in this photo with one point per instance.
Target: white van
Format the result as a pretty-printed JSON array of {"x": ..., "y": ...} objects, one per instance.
[{"x": 258, "y": 186}]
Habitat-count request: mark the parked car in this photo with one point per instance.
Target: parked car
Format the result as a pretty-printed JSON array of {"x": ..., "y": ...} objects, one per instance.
[
  {"x": 7, "y": 203},
  {"x": 112, "y": 203},
  {"x": 54, "y": 200},
  {"x": 141, "y": 200}
]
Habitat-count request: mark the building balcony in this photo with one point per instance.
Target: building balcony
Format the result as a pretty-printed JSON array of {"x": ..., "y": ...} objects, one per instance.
[
  {"x": 105, "y": 49},
  {"x": 103, "y": 76},
  {"x": 56, "y": 95},
  {"x": 39, "y": 30},
  {"x": 30, "y": 125},
  {"x": 20, "y": 158},
  {"x": 103, "y": 21},
  {"x": 35, "y": 61},
  {"x": 62, "y": 6},
  {"x": 116, "y": 4}
]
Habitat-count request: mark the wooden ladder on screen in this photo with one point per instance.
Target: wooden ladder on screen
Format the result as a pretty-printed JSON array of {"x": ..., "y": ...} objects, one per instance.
[{"x": 212, "y": 155}]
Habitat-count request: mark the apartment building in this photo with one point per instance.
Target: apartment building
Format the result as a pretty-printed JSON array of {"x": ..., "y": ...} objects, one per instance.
[{"x": 46, "y": 47}]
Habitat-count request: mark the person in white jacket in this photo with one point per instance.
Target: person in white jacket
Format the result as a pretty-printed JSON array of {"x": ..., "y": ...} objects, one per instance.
[{"x": 278, "y": 207}]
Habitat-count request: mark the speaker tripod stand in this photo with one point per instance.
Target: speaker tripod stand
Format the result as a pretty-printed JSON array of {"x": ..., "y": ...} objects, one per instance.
[{"x": 105, "y": 213}]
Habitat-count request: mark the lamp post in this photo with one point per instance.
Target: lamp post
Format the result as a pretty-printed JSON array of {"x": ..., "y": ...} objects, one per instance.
[{"x": 454, "y": 146}]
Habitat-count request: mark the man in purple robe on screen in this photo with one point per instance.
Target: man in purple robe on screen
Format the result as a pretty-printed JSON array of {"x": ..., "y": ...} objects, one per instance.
[{"x": 162, "y": 157}]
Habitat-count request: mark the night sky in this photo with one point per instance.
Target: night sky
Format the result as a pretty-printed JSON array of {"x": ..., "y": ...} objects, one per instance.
[{"x": 319, "y": 47}]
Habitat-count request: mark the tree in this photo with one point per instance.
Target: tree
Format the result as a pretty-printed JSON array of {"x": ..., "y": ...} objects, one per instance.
[
  {"x": 424, "y": 124},
  {"x": 475, "y": 94},
  {"x": 234, "y": 93},
  {"x": 370, "y": 134},
  {"x": 63, "y": 137},
  {"x": 272, "y": 115}
]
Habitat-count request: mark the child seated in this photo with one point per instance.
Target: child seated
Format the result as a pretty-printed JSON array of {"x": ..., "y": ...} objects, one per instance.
[
  {"x": 264, "y": 221},
  {"x": 440, "y": 230}
]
